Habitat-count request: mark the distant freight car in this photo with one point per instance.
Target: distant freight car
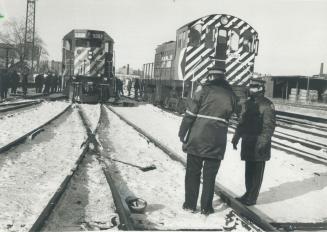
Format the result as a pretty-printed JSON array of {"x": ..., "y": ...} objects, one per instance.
[
  {"x": 218, "y": 40},
  {"x": 88, "y": 65}
]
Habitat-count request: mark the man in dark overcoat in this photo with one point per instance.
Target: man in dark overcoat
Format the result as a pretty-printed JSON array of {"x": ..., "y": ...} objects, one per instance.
[
  {"x": 203, "y": 132},
  {"x": 256, "y": 127},
  {"x": 5, "y": 84},
  {"x": 15, "y": 78},
  {"x": 25, "y": 83}
]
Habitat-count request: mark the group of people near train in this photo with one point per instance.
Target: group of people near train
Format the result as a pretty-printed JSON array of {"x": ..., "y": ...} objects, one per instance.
[
  {"x": 44, "y": 83},
  {"x": 8, "y": 80},
  {"x": 50, "y": 83},
  {"x": 203, "y": 132},
  {"x": 136, "y": 84}
]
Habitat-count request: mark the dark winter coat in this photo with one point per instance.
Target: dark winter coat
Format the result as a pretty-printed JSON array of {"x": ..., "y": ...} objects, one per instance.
[
  {"x": 15, "y": 79},
  {"x": 256, "y": 127},
  {"x": 137, "y": 84},
  {"x": 4, "y": 81},
  {"x": 204, "y": 126}
]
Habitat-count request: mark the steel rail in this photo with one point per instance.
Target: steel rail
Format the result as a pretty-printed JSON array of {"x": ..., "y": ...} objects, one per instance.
[
  {"x": 298, "y": 226},
  {"x": 25, "y": 136},
  {"x": 126, "y": 222},
  {"x": 255, "y": 216},
  {"x": 304, "y": 123},
  {"x": 294, "y": 139},
  {"x": 11, "y": 107},
  {"x": 309, "y": 144},
  {"x": 300, "y": 116},
  {"x": 45, "y": 214},
  {"x": 294, "y": 151},
  {"x": 15, "y": 103}
]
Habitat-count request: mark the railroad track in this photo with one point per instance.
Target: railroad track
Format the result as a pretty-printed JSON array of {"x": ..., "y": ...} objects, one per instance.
[
  {"x": 125, "y": 222},
  {"x": 17, "y": 105},
  {"x": 249, "y": 215},
  {"x": 31, "y": 133},
  {"x": 278, "y": 135},
  {"x": 258, "y": 216}
]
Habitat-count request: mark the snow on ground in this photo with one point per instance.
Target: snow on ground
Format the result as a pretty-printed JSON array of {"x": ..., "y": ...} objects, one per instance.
[
  {"x": 162, "y": 188},
  {"x": 13, "y": 126},
  {"x": 290, "y": 183},
  {"x": 87, "y": 203},
  {"x": 93, "y": 114},
  {"x": 32, "y": 172}
]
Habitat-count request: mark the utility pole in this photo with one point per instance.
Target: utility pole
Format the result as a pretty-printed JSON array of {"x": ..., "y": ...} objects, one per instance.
[{"x": 30, "y": 31}]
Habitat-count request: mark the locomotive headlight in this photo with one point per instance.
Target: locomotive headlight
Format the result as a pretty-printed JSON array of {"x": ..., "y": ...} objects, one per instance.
[{"x": 224, "y": 20}]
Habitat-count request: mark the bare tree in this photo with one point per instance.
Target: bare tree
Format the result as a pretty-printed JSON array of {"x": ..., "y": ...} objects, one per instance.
[{"x": 13, "y": 33}]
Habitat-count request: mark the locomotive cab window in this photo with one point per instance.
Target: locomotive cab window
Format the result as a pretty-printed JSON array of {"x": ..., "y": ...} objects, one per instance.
[
  {"x": 222, "y": 36},
  {"x": 95, "y": 43},
  {"x": 82, "y": 43},
  {"x": 67, "y": 44},
  {"x": 210, "y": 37},
  {"x": 195, "y": 35},
  {"x": 247, "y": 42},
  {"x": 234, "y": 41}
]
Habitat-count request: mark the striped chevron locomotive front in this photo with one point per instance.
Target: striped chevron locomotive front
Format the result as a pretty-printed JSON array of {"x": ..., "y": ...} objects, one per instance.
[
  {"x": 89, "y": 61},
  {"x": 218, "y": 40},
  {"x": 88, "y": 65},
  {"x": 221, "y": 41},
  {"x": 87, "y": 53}
]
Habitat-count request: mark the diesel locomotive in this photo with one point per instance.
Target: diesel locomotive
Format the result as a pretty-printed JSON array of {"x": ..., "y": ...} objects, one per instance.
[
  {"x": 215, "y": 41},
  {"x": 88, "y": 65}
]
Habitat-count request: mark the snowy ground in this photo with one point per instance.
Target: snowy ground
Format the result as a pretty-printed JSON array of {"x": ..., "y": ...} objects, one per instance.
[
  {"x": 87, "y": 203},
  {"x": 162, "y": 188},
  {"x": 32, "y": 172},
  {"x": 14, "y": 125},
  {"x": 290, "y": 184},
  {"x": 93, "y": 114}
]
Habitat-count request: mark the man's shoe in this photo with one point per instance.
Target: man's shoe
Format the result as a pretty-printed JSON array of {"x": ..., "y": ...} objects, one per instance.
[
  {"x": 247, "y": 202},
  {"x": 207, "y": 211},
  {"x": 240, "y": 199},
  {"x": 188, "y": 208}
]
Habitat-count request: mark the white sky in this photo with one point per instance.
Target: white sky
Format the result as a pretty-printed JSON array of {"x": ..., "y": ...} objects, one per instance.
[{"x": 292, "y": 33}]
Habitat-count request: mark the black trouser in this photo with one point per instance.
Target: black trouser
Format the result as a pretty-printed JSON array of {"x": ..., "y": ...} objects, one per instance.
[
  {"x": 254, "y": 171},
  {"x": 192, "y": 181}
]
